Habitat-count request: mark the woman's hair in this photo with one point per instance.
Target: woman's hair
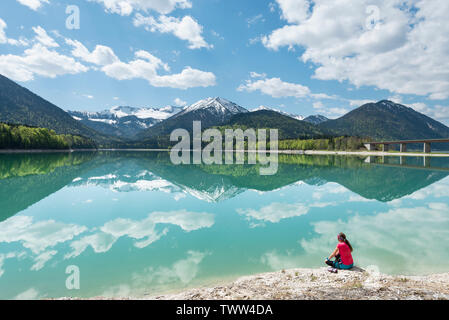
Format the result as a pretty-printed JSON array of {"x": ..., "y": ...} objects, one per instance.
[{"x": 342, "y": 237}]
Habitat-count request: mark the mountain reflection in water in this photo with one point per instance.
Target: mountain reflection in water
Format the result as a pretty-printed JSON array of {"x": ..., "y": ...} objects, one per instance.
[{"x": 136, "y": 224}]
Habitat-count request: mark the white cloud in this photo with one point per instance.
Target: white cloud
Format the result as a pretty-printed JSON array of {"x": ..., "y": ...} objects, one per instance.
[
  {"x": 276, "y": 88},
  {"x": 37, "y": 236},
  {"x": 254, "y": 20},
  {"x": 186, "y": 28},
  {"x": 359, "y": 103},
  {"x": 330, "y": 112},
  {"x": 2, "y": 261},
  {"x": 404, "y": 52},
  {"x": 126, "y": 7},
  {"x": 437, "y": 112},
  {"x": 276, "y": 261},
  {"x": 276, "y": 212},
  {"x": 144, "y": 230},
  {"x": 42, "y": 259},
  {"x": 179, "y": 102},
  {"x": 30, "y": 294},
  {"x": 101, "y": 55},
  {"x": 4, "y": 39},
  {"x": 33, "y": 4},
  {"x": 188, "y": 78},
  {"x": 184, "y": 270},
  {"x": 9, "y": 255},
  {"x": 146, "y": 66},
  {"x": 100, "y": 242},
  {"x": 41, "y": 61},
  {"x": 44, "y": 38},
  {"x": 257, "y": 75},
  {"x": 294, "y": 11},
  {"x": 188, "y": 221}
]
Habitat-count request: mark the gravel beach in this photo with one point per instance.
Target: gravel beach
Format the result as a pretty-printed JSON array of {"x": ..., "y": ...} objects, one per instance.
[{"x": 319, "y": 284}]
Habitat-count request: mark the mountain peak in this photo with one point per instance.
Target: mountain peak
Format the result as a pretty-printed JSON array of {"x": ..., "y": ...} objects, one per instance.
[
  {"x": 387, "y": 120},
  {"x": 316, "y": 119},
  {"x": 291, "y": 115},
  {"x": 217, "y": 104},
  {"x": 390, "y": 104}
]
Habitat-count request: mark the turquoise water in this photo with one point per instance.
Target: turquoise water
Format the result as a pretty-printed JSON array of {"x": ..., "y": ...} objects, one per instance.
[{"x": 134, "y": 224}]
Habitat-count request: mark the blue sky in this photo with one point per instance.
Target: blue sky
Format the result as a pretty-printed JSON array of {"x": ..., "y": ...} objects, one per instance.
[{"x": 300, "y": 56}]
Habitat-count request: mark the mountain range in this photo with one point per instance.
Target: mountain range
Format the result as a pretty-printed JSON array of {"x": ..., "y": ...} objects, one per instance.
[
  {"x": 141, "y": 127},
  {"x": 124, "y": 122}
]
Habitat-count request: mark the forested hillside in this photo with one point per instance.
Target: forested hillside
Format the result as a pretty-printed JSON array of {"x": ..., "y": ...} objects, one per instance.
[{"x": 24, "y": 137}]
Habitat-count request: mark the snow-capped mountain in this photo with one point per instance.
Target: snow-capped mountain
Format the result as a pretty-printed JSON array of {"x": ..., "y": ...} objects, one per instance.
[
  {"x": 145, "y": 113},
  {"x": 123, "y": 112},
  {"x": 136, "y": 179},
  {"x": 124, "y": 121},
  {"x": 294, "y": 116},
  {"x": 218, "y": 107},
  {"x": 211, "y": 112}
]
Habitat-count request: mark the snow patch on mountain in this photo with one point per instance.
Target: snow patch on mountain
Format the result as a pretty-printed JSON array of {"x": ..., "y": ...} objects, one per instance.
[
  {"x": 294, "y": 116},
  {"x": 217, "y": 105},
  {"x": 120, "y": 112},
  {"x": 108, "y": 121},
  {"x": 145, "y": 113}
]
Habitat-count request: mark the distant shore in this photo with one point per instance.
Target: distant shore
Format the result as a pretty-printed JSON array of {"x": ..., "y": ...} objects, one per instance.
[
  {"x": 317, "y": 284},
  {"x": 46, "y": 150},
  {"x": 377, "y": 153},
  {"x": 292, "y": 152}
]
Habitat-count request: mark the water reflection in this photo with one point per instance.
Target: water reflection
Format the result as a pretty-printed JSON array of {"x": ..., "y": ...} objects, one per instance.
[
  {"x": 136, "y": 224},
  {"x": 26, "y": 179}
]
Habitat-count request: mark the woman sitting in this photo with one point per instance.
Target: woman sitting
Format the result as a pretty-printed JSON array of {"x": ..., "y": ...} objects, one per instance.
[{"x": 342, "y": 254}]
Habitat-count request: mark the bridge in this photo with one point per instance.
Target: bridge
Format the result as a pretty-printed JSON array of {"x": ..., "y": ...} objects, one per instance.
[{"x": 371, "y": 146}]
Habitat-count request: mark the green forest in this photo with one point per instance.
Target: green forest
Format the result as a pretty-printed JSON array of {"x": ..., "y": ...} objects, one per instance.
[
  {"x": 331, "y": 144},
  {"x": 25, "y": 137}
]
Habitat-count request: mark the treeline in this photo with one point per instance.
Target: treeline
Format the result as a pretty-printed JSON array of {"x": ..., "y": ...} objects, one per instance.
[
  {"x": 25, "y": 137},
  {"x": 331, "y": 144}
]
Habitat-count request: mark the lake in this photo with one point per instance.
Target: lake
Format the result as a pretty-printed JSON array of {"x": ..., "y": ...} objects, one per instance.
[{"x": 134, "y": 224}]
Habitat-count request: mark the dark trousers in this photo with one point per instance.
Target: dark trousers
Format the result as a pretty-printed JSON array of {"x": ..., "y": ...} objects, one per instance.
[{"x": 332, "y": 263}]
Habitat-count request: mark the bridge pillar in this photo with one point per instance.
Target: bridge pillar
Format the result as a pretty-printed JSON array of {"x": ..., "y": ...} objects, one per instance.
[
  {"x": 370, "y": 146},
  {"x": 402, "y": 160},
  {"x": 370, "y": 159},
  {"x": 385, "y": 147},
  {"x": 403, "y": 147},
  {"x": 427, "y": 161},
  {"x": 427, "y": 147}
]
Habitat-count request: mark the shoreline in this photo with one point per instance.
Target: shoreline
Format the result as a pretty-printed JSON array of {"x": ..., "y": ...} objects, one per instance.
[
  {"x": 291, "y": 152},
  {"x": 313, "y": 284},
  {"x": 319, "y": 284}
]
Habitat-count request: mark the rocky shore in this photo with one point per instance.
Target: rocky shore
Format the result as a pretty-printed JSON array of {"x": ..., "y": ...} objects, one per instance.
[{"x": 319, "y": 284}]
